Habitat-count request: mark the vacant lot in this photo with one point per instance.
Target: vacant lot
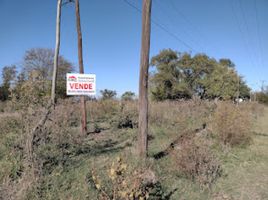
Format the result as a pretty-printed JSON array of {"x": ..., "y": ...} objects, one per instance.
[{"x": 191, "y": 154}]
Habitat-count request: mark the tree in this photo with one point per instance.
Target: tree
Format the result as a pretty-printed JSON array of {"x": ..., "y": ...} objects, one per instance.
[
  {"x": 169, "y": 80},
  {"x": 128, "y": 96},
  {"x": 182, "y": 76},
  {"x": 38, "y": 66},
  {"x": 107, "y": 94},
  {"x": 244, "y": 90},
  {"x": 221, "y": 83},
  {"x": 8, "y": 77},
  {"x": 227, "y": 62}
]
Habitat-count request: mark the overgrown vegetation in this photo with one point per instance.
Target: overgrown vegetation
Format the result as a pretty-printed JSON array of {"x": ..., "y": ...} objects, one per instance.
[
  {"x": 192, "y": 131},
  {"x": 194, "y": 159},
  {"x": 232, "y": 124}
]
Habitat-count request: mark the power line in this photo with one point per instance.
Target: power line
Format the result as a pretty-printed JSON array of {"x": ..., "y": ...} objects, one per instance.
[
  {"x": 241, "y": 32},
  {"x": 258, "y": 31},
  {"x": 185, "y": 18},
  {"x": 247, "y": 29},
  {"x": 162, "y": 27},
  {"x": 184, "y": 31}
]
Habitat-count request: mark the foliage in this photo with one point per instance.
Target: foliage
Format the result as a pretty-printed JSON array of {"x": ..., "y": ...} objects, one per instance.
[
  {"x": 35, "y": 76},
  {"x": 126, "y": 183},
  {"x": 8, "y": 77},
  {"x": 182, "y": 76},
  {"x": 222, "y": 83},
  {"x": 127, "y": 117},
  {"x": 64, "y": 157},
  {"x": 232, "y": 124},
  {"x": 107, "y": 94},
  {"x": 40, "y": 62},
  {"x": 128, "y": 96},
  {"x": 262, "y": 96},
  {"x": 4, "y": 93}
]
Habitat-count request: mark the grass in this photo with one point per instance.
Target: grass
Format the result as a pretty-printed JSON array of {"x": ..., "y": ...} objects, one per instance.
[{"x": 244, "y": 168}]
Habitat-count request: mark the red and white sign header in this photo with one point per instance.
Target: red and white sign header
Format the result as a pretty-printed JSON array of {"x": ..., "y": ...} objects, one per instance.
[{"x": 81, "y": 84}]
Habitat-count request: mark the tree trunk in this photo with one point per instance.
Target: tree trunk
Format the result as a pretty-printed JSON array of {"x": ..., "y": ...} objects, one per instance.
[
  {"x": 143, "y": 82},
  {"x": 81, "y": 67},
  {"x": 56, "y": 54}
]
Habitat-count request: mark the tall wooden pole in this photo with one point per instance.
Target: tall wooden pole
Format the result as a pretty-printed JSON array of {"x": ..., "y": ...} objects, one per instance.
[
  {"x": 143, "y": 82},
  {"x": 56, "y": 54},
  {"x": 81, "y": 67}
]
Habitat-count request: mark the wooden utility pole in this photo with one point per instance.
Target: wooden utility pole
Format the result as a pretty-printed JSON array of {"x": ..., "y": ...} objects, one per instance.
[
  {"x": 56, "y": 54},
  {"x": 143, "y": 82},
  {"x": 81, "y": 67}
]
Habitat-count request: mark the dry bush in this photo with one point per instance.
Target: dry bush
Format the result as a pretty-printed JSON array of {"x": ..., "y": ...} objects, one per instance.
[
  {"x": 3, "y": 106},
  {"x": 123, "y": 182},
  {"x": 60, "y": 134},
  {"x": 64, "y": 119},
  {"x": 194, "y": 159},
  {"x": 128, "y": 115},
  {"x": 103, "y": 109},
  {"x": 256, "y": 109},
  {"x": 10, "y": 122},
  {"x": 11, "y": 153},
  {"x": 190, "y": 114},
  {"x": 232, "y": 124}
]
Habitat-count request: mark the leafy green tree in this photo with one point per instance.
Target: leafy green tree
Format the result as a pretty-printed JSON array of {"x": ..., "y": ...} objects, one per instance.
[
  {"x": 222, "y": 83},
  {"x": 244, "y": 90},
  {"x": 128, "y": 96},
  {"x": 196, "y": 69},
  {"x": 227, "y": 62},
  {"x": 168, "y": 82},
  {"x": 180, "y": 75},
  {"x": 107, "y": 94}
]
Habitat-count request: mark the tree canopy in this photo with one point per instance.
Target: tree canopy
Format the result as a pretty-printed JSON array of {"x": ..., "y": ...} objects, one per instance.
[
  {"x": 36, "y": 73},
  {"x": 108, "y": 94},
  {"x": 128, "y": 96},
  {"x": 181, "y": 75}
]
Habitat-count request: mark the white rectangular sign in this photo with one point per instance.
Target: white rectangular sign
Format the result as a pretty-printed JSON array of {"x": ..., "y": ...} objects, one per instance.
[{"x": 81, "y": 84}]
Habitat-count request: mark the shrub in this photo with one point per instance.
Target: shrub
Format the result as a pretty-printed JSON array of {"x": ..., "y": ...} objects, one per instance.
[
  {"x": 195, "y": 160},
  {"x": 232, "y": 124},
  {"x": 103, "y": 110},
  {"x": 128, "y": 117},
  {"x": 262, "y": 97},
  {"x": 126, "y": 183},
  {"x": 182, "y": 114}
]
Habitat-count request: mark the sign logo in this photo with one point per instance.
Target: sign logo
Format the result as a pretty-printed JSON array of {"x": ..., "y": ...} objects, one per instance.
[
  {"x": 72, "y": 78},
  {"x": 81, "y": 84}
]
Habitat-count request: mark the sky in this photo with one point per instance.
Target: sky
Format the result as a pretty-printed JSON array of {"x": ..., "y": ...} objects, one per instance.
[{"x": 111, "y": 29}]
